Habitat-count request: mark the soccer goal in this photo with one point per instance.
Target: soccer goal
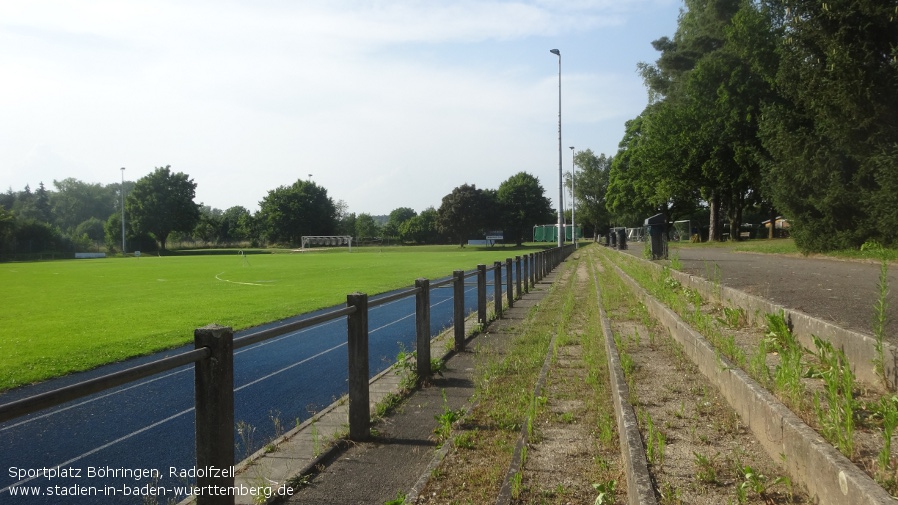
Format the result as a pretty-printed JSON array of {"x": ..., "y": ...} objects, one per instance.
[
  {"x": 682, "y": 231},
  {"x": 308, "y": 241}
]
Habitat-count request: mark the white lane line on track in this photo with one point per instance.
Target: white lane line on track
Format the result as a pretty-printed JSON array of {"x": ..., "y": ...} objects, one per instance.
[
  {"x": 260, "y": 379},
  {"x": 175, "y": 416},
  {"x": 148, "y": 381},
  {"x": 104, "y": 446}
]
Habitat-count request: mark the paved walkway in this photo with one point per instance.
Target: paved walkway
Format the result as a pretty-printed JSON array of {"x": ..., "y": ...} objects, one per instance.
[
  {"x": 839, "y": 291},
  {"x": 403, "y": 446}
]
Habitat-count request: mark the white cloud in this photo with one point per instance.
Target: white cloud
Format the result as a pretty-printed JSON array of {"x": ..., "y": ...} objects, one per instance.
[{"x": 387, "y": 104}]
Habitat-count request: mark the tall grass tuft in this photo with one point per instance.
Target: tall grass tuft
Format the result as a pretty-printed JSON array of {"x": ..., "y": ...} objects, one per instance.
[
  {"x": 880, "y": 307},
  {"x": 836, "y": 418}
]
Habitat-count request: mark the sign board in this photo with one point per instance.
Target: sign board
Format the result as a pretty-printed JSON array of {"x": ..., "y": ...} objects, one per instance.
[{"x": 494, "y": 235}]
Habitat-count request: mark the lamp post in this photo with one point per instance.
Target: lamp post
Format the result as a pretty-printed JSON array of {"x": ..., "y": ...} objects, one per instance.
[
  {"x": 573, "y": 198},
  {"x": 123, "y": 211},
  {"x": 560, "y": 176}
]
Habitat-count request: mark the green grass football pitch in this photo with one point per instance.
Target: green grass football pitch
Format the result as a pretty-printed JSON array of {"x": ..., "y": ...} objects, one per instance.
[{"x": 64, "y": 316}]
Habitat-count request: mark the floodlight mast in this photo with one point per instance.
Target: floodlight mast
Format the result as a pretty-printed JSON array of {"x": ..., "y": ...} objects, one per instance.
[
  {"x": 560, "y": 176},
  {"x": 123, "y": 211},
  {"x": 573, "y": 198}
]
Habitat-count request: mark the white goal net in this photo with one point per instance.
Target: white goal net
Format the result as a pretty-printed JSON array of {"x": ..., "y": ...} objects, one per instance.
[
  {"x": 309, "y": 241},
  {"x": 681, "y": 232}
]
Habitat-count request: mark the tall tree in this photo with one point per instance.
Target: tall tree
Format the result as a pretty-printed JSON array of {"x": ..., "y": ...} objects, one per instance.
[
  {"x": 834, "y": 138},
  {"x": 590, "y": 185},
  {"x": 232, "y": 226},
  {"x": 42, "y": 204},
  {"x": 701, "y": 130},
  {"x": 75, "y": 201},
  {"x": 366, "y": 228},
  {"x": 162, "y": 202},
  {"x": 397, "y": 217},
  {"x": 421, "y": 229},
  {"x": 522, "y": 205},
  {"x": 462, "y": 213},
  {"x": 303, "y": 208}
]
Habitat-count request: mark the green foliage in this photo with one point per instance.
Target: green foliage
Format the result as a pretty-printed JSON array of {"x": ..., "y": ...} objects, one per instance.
[
  {"x": 833, "y": 135},
  {"x": 522, "y": 203},
  {"x": 606, "y": 492},
  {"x": 162, "y": 203},
  {"x": 289, "y": 212},
  {"x": 464, "y": 212},
  {"x": 366, "y": 228},
  {"x": 75, "y": 202},
  {"x": 446, "y": 419},
  {"x": 757, "y": 483},
  {"x": 421, "y": 229},
  {"x": 590, "y": 188},
  {"x": 887, "y": 471},
  {"x": 835, "y": 412},
  {"x": 399, "y": 500}
]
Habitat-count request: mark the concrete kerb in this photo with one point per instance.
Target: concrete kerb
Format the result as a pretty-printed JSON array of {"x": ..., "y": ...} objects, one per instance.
[
  {"x": 517, "y": 463},
  {"x": 827, "y": 475},
  {"x": 640, "y": 490},
  {"x": 506, "y": 492},
  {"x": 858, "y": 347}
]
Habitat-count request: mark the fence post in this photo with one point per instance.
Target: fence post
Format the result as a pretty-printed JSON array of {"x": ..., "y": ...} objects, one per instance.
[
  {"x": 532, "y": 269},
  {"x": 357, "y": 345},
  {"x": 509, "y": 291},
  {"x": 517, "y": 272},
  {"x": 526, "y": 263},
  {"x": 539, "y": 268},
  {"x": 422, "y": 328},
  {"x": 497, "y": 288},
  {"x": 214, "y": 403},
  {"x": 458, "y": 300},
  {"x": 481, "y": 296}
]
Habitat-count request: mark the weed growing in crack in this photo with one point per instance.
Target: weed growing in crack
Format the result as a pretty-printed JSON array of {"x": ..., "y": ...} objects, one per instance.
[
  {"x": 446, "y": 419},
  {"x": 246, "y": 432},
  {"x": 880, "y": 307},
  {"x": 706, "y": 468},
  {"x": 655, "y": 441},
  {"x": 788, "y": 374},
  {"x": 606, "y": 492},
  {"x": 887, "y": 465},
  {"x": 758, "y": 483},
  {"x": 836, "y": 419}
]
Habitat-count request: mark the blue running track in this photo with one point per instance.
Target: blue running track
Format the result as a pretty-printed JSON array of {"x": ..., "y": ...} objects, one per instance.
[{"x": 149, "y": 424}]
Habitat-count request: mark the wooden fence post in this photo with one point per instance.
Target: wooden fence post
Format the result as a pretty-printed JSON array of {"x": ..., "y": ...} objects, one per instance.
[
  {"x": 526, "y": 263},
  {"x": 497, "y": 288},
  {"x": 517, "y": 272},
  {"x": 214, "y": 403},
  {"x": 357, "y": 345},
  {"x": 531, "y": 269},
  {"x": 422, "y": 328},
  {"x": 509, "y": 278},
  {"x": 458, "y": 301},
  {"x": 481, "y": 296}
]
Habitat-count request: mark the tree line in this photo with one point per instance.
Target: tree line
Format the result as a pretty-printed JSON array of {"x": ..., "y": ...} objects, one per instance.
[
  {"x": 160, "y": 207},
  {"x": 780, "y": 106}
]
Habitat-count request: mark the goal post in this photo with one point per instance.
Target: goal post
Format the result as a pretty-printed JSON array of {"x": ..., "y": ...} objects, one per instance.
[
  {"x": 682, "y": 231},
  {"x": 326, "y": 240}
]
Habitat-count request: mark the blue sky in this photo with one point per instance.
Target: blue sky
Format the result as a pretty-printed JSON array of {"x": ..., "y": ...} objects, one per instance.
[{"x": 385, "y": 103}]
